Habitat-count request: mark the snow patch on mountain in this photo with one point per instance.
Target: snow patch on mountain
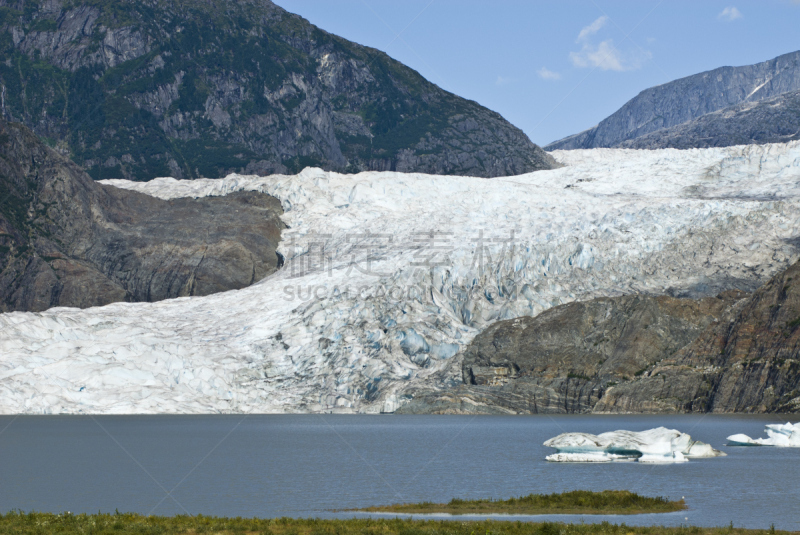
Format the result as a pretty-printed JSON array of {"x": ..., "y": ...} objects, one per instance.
[{"x": 388, "y": 275}]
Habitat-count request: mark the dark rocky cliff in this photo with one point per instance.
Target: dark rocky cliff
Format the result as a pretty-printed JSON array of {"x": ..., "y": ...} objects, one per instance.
[
  {"x": 774, "y": 120},
  {"x": 749, "y": 361},
  {"x": 688, "y": 98},
  {"x": 566, "y": 358},
  {"x": 734, "y": 353},
  {"x": 66, "y": 240},
  {"x": 186, "y": 88}
]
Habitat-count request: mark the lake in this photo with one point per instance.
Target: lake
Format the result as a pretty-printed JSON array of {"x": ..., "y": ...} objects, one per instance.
[{"x": 312, "y": 465}]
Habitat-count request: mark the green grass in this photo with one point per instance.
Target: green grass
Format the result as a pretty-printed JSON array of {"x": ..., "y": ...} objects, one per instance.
[
  {"x": 45, "y": 523},
  {"x": 575, "y": 502}
]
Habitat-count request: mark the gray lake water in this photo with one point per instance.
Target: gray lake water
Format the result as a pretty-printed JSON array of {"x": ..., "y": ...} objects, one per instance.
[{"x": 311, "y": 465}]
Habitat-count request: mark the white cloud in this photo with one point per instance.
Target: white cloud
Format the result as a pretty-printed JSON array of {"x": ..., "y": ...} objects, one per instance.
[
  {"x": 730, "y": 14},
  {"x": 592, "y": 29},
  {"x": 546, "y": 74},
  {"x": 502, "y": 80},
  {"x": 604, "y": 56}
]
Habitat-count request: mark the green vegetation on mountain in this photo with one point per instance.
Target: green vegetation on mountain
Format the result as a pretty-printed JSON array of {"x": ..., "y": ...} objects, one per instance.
[{"x": 190, "y": 88}]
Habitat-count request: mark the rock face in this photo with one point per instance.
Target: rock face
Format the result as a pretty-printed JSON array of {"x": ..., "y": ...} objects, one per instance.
[
  {"x": 566, "y": 358},
  {"x": 137, "y": 90},
  {"x": 636, "y": 354},
  {"x": 683, "y": 100},
  {"x": 774, "y": 120},
  {"x": 749, "y": 361},
  {"x": 68, "y": 241}
]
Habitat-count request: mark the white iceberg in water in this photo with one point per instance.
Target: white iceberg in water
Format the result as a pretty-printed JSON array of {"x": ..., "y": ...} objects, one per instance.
[
  {"x": 659, "y": 445},
  {"x": 782, "y": 435}
]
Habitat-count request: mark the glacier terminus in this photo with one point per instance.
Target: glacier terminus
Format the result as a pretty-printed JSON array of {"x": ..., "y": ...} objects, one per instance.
[{"x": 387, "y": 276}]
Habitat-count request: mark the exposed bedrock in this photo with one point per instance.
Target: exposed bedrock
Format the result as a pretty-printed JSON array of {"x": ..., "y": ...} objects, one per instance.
[
  {"x": 774, "y": 120},
  {"x": 68, "y": 241},
  {"x": 732, "y": 353},
  {"x": 680, "y": 101},
  {"x": 566, "y": 358},
  {"x": 749, "y": 361}
]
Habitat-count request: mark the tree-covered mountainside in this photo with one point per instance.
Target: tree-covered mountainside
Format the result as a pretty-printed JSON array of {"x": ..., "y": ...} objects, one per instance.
[{"x": 187, "y": 88}]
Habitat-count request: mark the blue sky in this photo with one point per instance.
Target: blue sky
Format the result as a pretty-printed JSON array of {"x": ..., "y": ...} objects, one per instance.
[{"x": 556, "y": 68}]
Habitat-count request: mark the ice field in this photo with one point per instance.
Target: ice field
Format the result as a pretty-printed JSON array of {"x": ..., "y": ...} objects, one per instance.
[{"x": 388, "y": 276}]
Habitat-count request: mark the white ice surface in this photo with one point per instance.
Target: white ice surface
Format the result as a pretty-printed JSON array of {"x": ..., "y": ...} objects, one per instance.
[
  {"x": 659, "y": 445},
  {"x": 391, "y": 309},
  {"x": 781, "y": 435}
]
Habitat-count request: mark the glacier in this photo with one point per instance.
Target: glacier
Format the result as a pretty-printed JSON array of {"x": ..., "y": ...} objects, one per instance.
[
  {"x": 659, "y": 445},
  {"x": 387, "y": 277},
  {"x": 781, "y": 435}
]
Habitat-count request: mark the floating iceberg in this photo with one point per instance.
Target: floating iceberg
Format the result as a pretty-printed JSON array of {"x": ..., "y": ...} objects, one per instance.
[
  {"x": 659, "y": 445},
  {"x": 781, "y": 435}
]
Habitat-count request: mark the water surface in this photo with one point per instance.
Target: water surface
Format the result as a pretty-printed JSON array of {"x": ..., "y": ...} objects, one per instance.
[{"x": 311, "y": 465}]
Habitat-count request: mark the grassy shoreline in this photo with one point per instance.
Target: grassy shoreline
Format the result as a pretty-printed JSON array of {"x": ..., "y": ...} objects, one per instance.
[
  {"x": 128, "y": 523},
  {"x": 608, "y": 502}
]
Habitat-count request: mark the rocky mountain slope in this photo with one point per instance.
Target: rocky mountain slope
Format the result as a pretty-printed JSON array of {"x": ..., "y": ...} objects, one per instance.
[
  {"x": 748, "y": 361},
  {"x": 389, "y": 276},
  {"x": 66, "y": 240},
  {"x": 685, "y": 99},
  {"x": 566, "y": 358},
  {"x": 773, "y": 120},
  {"x": 138, "y": 89},
  {"x": 637, "y": 354}
]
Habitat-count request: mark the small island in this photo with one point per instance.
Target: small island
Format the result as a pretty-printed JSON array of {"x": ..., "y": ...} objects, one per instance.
[{"x": 607, "y": 502}]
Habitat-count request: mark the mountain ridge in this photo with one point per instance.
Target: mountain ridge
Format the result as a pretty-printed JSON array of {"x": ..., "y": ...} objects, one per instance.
[
  {"x": 772, "y": 120},
  {"x": 678, "y": 101},
  {"x": 138, "y": 88}
]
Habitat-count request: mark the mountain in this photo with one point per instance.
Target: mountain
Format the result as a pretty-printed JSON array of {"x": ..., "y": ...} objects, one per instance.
[
  {"x": 66, "y": 240},
  {"x": 187, "y": 88},
  {"x": 685, "y": 99},
  {"x": 637, "y": 354},
  {"x": 568, "y": 357},
  {"x": 749, "y": 361},
  {"x": 773, "y": 120}
]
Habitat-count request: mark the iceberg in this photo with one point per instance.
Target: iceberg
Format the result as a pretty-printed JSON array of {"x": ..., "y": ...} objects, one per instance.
[
  {"x": 659, "y": 445},
  {"x": 781, "y": 435}
]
